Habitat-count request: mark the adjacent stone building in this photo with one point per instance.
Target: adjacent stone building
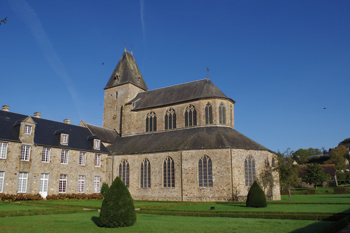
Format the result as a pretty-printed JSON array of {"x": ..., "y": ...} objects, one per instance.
[{"x": 176, "y": 143}]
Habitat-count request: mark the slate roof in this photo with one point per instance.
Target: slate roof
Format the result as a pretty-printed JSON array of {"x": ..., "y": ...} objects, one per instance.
[
  {"x": 195, "y": 90},
  {"x": 126, "y": 71},
  {"x": 185, "y": 139},
  {"x": 46, "y": 132},
  {"x": 106, "y": 135}
]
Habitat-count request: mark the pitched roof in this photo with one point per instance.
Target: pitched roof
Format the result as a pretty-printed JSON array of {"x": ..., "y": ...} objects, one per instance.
[
  {"x": 126, "y": 71},
  {"x": 46, "y": 132},
  {"x": 106, "y": 135},
  {"x": 200, "y": 89},
  {"x": 186, "y": 139}
]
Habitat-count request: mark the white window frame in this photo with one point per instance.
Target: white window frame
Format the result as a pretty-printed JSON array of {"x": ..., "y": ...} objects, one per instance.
[
  {"x": 45, "y": 157},
  {"x": 44, "y": 182},
  {"x": 64, "y": 139},
  {"x": 97, "y": 184},
  {"x": 3, "y": 150},
  {"x": 2, "y": 181},
  {"x": 62, "y": 185},
  {"x": 25, "y": 152},
  {"x": 97, "y": 160},
  {"x": 64, "y": 156},
  {"x": 97, "y": 144},
  {"x": 22, "y": 182},
  {"x": 28, "y": 129},
  {"x": 81, "y": 184},
  {"x": 82, "y": 158}
]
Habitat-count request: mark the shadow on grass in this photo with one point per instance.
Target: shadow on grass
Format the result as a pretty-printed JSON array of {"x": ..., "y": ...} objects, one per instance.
[{"x": 95, "y": 220}]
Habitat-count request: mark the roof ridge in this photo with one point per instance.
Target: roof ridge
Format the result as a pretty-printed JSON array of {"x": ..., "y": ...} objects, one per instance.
[{"x": 173, "y": 85}]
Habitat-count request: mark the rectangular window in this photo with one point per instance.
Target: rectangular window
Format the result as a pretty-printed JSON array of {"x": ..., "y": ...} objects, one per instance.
[
  {"x": 2, "y": 180},
  {"x": 82, "y": 158},
  {"x": 64, "y": 139},
  {"x": 97, "y": 184},
  {"x": 3, "y": 150},
  {"x": 97, "y": 144},
  {"x": 22, "y": 182},
  {"x": 64, "y": 157},
  {"x": 25, "y": 155},
  {"x": 46, "y": 155},
  {"x": 62, "y": 187},
  {"x": 44, "y": 183},
  {"x": 28, "y": 129},
  {"x": 81, "y": 184},
  {"x": 97, "y": 160}
]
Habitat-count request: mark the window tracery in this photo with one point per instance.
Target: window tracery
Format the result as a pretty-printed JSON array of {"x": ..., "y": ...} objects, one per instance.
[
  {"x": 190, "y": 116},
  {"x": 208, "y": 114},
  {"x": 170, "y": 119},
  {"x": 168, "y": 173},
  {"x": 151, "y": 122},
  {"x": 205, "y": 175}
]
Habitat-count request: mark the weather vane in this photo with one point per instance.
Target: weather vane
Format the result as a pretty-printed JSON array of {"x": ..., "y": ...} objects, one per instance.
[{"x": 207, "y": 73}]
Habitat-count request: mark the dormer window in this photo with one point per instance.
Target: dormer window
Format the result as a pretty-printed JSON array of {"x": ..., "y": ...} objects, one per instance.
[
  {"x": 134, "y": 103},
  {"x": 28, "y": 129},
  {"x": 64, "y": 139},
  {"x": 97, "y": 144}
]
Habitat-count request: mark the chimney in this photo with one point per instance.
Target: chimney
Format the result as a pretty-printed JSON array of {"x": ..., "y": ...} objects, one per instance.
[
  {"x": 66, "y": 121},
  {"x": 5, "y": 108},
  {"x": 37, "y": 114}
]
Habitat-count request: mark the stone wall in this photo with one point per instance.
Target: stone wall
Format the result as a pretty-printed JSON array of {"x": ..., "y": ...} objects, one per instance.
[
  {"x": 13, "y": 165},
  {"x": 227, "y": 170},
  {"x": 134, "y": 122}
]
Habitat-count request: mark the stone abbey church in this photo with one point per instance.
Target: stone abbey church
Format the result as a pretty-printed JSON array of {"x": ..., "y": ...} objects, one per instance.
[{"x": 175, "y": 143}]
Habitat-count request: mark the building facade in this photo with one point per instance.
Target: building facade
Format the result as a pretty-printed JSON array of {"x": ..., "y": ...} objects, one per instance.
[{"x": 175, "y": 143}]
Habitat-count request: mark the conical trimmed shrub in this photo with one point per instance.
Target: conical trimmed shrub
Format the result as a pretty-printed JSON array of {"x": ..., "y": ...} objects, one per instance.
[
  {"x": 117, "y": 207},
  {"x": 256, "y": 196}
]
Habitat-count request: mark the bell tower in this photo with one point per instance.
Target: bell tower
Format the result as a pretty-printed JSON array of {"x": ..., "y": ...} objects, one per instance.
[{"x": 124, "y": 84}]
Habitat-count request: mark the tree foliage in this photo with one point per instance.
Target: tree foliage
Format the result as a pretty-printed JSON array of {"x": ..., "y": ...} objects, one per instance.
[
  {"x": 315, "y": 175},
  {"x": 288, "y": 174},
  {"x": 266, "y": 179},
  {"x": 338, "y": 156},
  {"x": 256, "y": 196},
  {"x": 104, "y": 189},
  {"x": 345, "y": 142},
  {"x": 118, "y": 207}
]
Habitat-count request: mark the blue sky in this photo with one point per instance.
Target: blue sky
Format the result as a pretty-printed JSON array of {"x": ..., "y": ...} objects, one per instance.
[{"x": 283, "y": 62}]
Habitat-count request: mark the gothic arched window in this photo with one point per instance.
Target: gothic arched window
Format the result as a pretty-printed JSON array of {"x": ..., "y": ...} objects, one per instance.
[
  {"x": 168, "y": 173},
  {"x": 249, "y": 167},
  {"x": 205, "y": 176},
  {"x": 190, "y": 116},
  {"x": 124, "y": 172},
  {"x": 208, "y": 114},
  {"x": 222, "y": 114},
  {"x": 151, "y": 122},
  {"x": 170, "y": 119},
  {"x": 145, "y": 179}
]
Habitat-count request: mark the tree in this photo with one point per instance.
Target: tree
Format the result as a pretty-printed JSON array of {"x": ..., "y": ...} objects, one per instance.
[
  {"x": 104, "y": 189},
  {"x": 288, "y": 174},
  {"x": 345, "y": 142},
  {"x": 338, "y": 156},
  {"x": 266, "y": 179},
  {"x": 301, "y": 155},
  {"x": 117, "y": 207},
  {"x": 315, "y": 175},
  {"x": 256, "y": 196}
]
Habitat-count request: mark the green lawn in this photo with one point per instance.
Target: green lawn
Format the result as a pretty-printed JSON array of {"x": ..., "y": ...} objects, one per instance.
[
  {"x": 319, "y": 198},
  {"x": 9, "y": 206},
  {"x": 98, "y": 203},
  {"x": 274, "y": 207},
  {"x": 85, "y": 222}
]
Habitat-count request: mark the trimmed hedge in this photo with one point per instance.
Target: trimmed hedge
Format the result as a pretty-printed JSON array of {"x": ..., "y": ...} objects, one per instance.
[
  {"x": 256, "y": 196},
  {"x": 20, "y": 197},
  {"x": 74, "y": 196},
  {"x": 104, "y": 189},
  {"x": 118, "y": 208},
  {"x": 336, "y": 226},
  {"x": 339, "y": 190},
  {"x": 247, "y": 214},
  {"x": 14, "y": 213},
  {"x": 311, "y": 191}
]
